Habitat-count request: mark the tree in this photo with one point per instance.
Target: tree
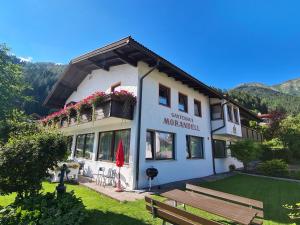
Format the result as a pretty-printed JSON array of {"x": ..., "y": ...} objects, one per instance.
[
  {"x": 17, "y": 122},
  {"x": 273, "y": 130},
  {"x": 12, "y": 84},
  {"x": 245, "y": 151},
  {"x": 290, "y": 134},
  {"x": 26, "y": 159}
]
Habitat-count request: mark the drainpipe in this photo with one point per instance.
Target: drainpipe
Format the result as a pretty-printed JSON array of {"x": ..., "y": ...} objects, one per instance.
[
  {"x": 141, "y": 82},
  {"x": 212, "y": 132}
]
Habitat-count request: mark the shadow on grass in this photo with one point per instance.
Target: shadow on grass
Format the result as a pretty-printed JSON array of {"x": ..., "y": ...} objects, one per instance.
[{"x": 97, "y": 217}]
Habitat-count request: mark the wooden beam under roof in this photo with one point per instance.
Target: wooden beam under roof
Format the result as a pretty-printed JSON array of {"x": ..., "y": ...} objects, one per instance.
[
  {"x": 125, "y": 58},
  {"x": 99, "y": 64},
  {"x": 81, "y": 69},
  {"x": 67, "y": 86}
]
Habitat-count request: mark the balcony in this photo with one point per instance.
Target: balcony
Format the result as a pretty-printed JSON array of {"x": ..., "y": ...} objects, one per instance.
[
  {"x": 110, "y": 107},
  {"x": 252, "y": 134}
]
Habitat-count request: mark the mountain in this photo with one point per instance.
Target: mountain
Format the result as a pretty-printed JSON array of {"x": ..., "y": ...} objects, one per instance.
[
  {"x": 41, "y": 76},
  {"x": 262, "y": 98},
  {"x": 291, "y": 87}
]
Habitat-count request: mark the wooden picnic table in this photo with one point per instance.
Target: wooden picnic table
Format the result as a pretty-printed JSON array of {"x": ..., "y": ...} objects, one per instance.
[{"x": 236, "y": 213}]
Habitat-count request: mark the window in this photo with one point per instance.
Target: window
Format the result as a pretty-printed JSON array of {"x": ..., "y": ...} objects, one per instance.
[
  {"x": 164, "y": 95},
  {"x": 84, "y": 146},
  {"x": 182, "y": 102},
  {"x": 219, "y": 148},
  {"x": 229, "y": 113},
  {"x": 194, "y": 147},
  {"x": 216, "y": 112},
  {"x": 150, "y": 145},
  {"x": 108, "y": 144},
  {"x": 236, "y": 115},
  {"x": 115, "y": 87},
  {"x": 159, "y": 145},
  {"x": 69, "y": 145},
  {"x": 197, "y": 108}
]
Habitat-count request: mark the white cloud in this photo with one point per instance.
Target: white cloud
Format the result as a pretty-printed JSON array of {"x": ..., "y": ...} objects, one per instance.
[{"x": 25, "y": 59}]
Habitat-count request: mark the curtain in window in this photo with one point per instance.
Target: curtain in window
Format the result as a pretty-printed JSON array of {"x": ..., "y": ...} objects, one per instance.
[
  {"x": 89, "y": 145},
  {"x": 80, "y": 145},
  {"x": 105, "y": 145},
  {"x": 123, "y": 135}
]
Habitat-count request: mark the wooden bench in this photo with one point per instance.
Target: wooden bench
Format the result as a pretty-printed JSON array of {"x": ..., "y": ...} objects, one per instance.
[
  {"x": 257, "y": 205},
  {"x": 174, "y": 215},
  {"x": 237, "y": 213}
]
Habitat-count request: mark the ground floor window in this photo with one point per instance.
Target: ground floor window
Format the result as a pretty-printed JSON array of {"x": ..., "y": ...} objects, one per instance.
[
  {"x": 219, "y": 148},
  {"x": 195, "y": 148},
  {"x": 84, "y": 146},
  {"x": 108, "y": 144},
  {"x": 160, "y": 145},
  {"x": 69, "y": 145}
]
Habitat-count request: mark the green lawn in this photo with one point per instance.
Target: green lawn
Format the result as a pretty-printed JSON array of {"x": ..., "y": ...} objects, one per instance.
[{"x": 106, "y": 211}]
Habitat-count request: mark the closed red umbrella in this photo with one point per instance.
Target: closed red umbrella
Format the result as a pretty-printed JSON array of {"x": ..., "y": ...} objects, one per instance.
[{"x": 119, "y": 163}]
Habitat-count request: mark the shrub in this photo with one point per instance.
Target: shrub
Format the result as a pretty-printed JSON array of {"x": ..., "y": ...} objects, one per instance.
[
  {"x": 295, "y": 175},
  {"x": 269, "y": 152},
  {"x": 231, "y": 167},
  {"x": 26, "y": 159},
  {"x": 275, "y": 167},
  {"x": 245, "y": 151},
  {"x": 45, "y": 209}
]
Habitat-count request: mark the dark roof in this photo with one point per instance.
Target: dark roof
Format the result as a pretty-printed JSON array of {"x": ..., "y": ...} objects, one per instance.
[{"x": 126, "y": 50}]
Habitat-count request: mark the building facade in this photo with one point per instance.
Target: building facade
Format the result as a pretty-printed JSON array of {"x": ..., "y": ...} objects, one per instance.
[{"x": 177, "y": 125}]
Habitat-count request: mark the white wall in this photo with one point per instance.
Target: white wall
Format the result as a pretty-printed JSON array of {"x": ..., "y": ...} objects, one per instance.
[
  {"x": 153, "y": 116},
  {"x": 102, "y": 80},
  {"x": 222, "y": 164}
]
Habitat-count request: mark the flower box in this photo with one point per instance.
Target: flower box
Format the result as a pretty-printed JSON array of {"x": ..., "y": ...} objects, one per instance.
[
  {"x": 86, "y": 114},
  {"x": 113, "y": 106},
  {"x": 64, "y": 122}
]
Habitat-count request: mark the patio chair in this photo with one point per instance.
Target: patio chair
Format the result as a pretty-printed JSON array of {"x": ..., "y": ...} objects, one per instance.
[
  {"x": 99, "y": 175},
  {"x": 110, "y": 176}
]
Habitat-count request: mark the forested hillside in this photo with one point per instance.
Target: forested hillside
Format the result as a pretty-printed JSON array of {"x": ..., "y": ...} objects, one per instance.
[
  {"x": 41, "y": 77},
  {"x": 291, "y": 87},
  {"x": 261, "y": 98}
]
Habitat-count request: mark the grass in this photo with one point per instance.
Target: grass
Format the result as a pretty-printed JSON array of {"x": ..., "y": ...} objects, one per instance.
[
  {"x": 104, "y": 210},
  {"x": 272, "y": 193}
]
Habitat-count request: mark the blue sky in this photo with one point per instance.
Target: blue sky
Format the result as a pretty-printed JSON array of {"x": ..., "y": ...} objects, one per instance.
[{"x": 222, "y": 43}]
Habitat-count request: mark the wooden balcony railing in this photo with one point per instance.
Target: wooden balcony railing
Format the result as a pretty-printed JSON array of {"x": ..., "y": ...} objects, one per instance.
[
  {"x": 252, "y": 134},
  {"x": 111, "y": 107}
]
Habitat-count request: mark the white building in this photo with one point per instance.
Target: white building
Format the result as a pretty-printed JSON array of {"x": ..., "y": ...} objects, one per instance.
[{"x": 179, "y": 125}]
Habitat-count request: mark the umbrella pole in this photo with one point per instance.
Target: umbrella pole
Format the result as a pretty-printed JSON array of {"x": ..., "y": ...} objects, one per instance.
[{"x": 119, "y": 188}]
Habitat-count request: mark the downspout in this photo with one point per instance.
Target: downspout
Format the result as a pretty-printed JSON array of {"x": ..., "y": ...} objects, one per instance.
[
  {"x": 141, "y": 82},
  {"x": 212, "y": 132}
]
